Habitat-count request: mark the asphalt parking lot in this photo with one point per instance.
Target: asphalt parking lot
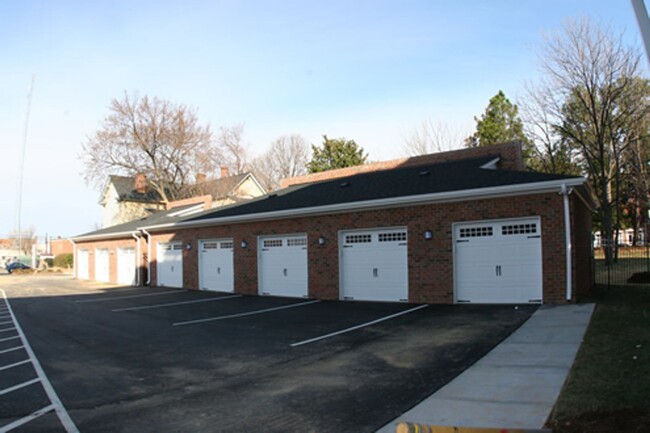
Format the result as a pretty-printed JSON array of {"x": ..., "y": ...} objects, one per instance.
[{"x": 155, "y": 359}]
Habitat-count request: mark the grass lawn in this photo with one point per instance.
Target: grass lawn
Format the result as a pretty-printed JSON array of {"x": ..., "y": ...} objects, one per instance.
[{"x": 608, "y": 389}]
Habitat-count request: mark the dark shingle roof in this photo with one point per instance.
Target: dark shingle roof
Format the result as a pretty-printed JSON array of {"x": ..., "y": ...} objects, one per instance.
[
  {"x": 125, "y": 191},
  {"x": 217, "y": 188},
  {"x": 399, "y": 182},
  {"x": 162, "y": 217}
]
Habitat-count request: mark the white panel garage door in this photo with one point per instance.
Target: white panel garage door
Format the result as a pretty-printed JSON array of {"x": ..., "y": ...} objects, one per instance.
[
  {"x": 82, "y": 264},
  {"x": 498, "y": 261},
  {"x": 216, "y": 265},
  {"x": 126, "y": 266},
  {"x": 283, "y": 265},
  {"x": 374, "y": 265},
  {"x": 170, "y": 264},
  {"x": 102, "y": 265}
]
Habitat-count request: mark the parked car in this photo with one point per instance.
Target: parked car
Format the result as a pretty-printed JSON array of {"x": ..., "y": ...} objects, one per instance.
[{"x": 16, "y": 265}]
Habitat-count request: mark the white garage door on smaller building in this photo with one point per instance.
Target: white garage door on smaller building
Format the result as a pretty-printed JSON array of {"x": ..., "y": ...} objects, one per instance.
[
  {"x": 216, "y": 265},
  {"x": 169, "y": 265},
  {"x": 82, "y": 264},
  {"x": 102, "y": 263},
  {"x": 498, "y": 262},
  {"x": 282, "y": 265},
  {"x": 374, "y": 265},
  {"x": 126, "y": 266}
]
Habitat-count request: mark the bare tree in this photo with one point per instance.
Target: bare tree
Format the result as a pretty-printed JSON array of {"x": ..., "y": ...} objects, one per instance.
[
  {"x": 430, "y": 137},
  {"x": 589, "y": 89},
  {"x": 161, "y": 139},
  {"x": 24, "y": 240},
  {"x": 287, "y": 157},
  {"x": 550, "y": 152},
  {"x": 233, "y": 148}
]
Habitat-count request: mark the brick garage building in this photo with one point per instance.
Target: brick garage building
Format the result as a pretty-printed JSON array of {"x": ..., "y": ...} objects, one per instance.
[{"x": 462, "y": 226}]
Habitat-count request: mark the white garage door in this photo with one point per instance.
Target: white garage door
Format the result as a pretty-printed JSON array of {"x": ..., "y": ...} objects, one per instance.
[
  {"x": 126, "y": 266},
  {"x": 216, "y": 265},
  {"x": 102, "y": 265},
  {"x": 374, "y": 265},
  {"x": 82, "y": 264},
  {"x": 498, "y": 261},
  {"x": 170, "y": 264},
  {"x": 283, "y": 265}
]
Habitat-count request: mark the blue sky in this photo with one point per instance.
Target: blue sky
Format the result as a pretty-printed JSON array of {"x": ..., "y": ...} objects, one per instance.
[{"x": 371, "y": 71}]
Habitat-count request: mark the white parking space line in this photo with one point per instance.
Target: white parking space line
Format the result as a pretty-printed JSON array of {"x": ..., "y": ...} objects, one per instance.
[
  {"x": 354, "y": 328},
  {"x": 249, "y": 313},
  {"x": 144, "y": 295},
  {"x": 9, "y": 338},
  {"x": 7, "y": 329},
  {"x": 19, "y": 386},
  {"x": 13, "y": 349},
  {"x": 31, "y": 417},
  {"x": 6, "y": 323},
  {"x": 171, "y": 304},
  {"x": 60, "y": 411},
  {"x": 15, "y": 364}
]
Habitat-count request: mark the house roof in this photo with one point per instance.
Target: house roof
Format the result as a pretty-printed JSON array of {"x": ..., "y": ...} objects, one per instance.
[
  {"x": 467, "y": 179},
  {"x": 126, "y": 229},
  {"x": 407, "y": 182},
  {"x": 217, "y": 188},
  {"x": 124, "y": 187}
]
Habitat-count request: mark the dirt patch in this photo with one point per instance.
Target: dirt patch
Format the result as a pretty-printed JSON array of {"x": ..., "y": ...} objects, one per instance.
[{"x": 627, "y": 420}]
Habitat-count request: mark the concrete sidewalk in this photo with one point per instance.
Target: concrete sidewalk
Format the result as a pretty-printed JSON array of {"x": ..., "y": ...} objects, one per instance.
[{"x": 517, "y": 383}]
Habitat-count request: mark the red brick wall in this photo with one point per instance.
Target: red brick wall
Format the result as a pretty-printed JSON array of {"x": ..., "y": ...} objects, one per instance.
[
  {"x": 430, "y": 261},
  {"x": 582, "y": 245},
  {"x": 61, "y": 246}
]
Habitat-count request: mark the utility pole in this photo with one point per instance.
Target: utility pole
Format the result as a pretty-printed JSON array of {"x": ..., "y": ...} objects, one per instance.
[
  {"x": 21, "y": 166},
  {"x": 644, "y": 23}
]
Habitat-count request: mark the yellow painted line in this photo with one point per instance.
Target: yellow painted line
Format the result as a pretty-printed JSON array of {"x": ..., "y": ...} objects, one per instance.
[{"x": 407, "y": 427}]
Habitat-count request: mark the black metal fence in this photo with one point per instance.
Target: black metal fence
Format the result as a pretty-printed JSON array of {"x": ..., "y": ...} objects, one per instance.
[{"x": 629, "y": 265}]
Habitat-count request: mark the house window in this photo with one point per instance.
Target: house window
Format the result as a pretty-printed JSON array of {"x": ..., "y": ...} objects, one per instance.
[
  {"x": 270, "y": 243},
  {"x": 209, "y": 245},
  {"x": 226, "y": 245}
]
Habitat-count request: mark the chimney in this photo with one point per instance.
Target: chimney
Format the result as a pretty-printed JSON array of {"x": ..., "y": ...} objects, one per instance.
[
  {"x": 224, "y": 172},
  {"x": 140, "y": 184},
  {"x": 200, "y": 177}
]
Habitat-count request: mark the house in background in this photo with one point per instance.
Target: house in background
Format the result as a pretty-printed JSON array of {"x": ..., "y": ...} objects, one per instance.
[{"x": 125, "y": 199}]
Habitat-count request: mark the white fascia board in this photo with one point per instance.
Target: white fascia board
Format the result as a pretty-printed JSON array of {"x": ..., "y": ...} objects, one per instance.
[
  {"x": 116, "y": 235},
  {"x": 413, "y": 200},
  {"x": 196, "y": 208}
]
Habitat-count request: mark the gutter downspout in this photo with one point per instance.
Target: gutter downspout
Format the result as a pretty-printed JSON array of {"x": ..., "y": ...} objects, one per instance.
[
  {"x": 567, "y": 239},
  {"x": 148, "y": 256},
  {"x": 74, "y": 258},
  {"x": 139, "y": 260}
]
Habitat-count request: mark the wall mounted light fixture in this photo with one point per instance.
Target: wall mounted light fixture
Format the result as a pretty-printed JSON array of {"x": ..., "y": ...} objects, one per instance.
[
  {"x": 428, "y": 235},
  {"x": 321, "y": 240},
  {"x": 188, "y": 246},
  {"x": 244, "y": 244}
]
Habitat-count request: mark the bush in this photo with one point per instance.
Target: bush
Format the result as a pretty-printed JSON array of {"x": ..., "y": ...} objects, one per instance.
[{"x": 63, "y": 260}]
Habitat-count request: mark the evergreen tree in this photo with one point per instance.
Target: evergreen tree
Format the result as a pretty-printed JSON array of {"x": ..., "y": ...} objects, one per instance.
[{"x": 336, "y": 153}]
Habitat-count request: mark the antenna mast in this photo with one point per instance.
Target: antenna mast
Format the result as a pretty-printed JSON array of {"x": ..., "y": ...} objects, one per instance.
[{"x": 21, "y": 166}]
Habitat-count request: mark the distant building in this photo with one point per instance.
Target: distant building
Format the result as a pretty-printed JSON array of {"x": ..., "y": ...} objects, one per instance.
[{"x": 125, "y": 198}]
